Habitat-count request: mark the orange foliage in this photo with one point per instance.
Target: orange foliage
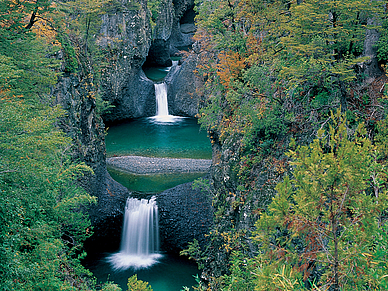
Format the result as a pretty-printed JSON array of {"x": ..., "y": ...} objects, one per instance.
[
  {"x": 43, "y": 29},
  {"x": 229, "y": 67}
]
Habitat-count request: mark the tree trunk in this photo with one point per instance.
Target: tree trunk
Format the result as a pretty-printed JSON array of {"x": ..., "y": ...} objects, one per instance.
[
  {"x": 32, "y": 19},
  {"x": 336, "y": 262},
  {"x": 371, "y": 67}
]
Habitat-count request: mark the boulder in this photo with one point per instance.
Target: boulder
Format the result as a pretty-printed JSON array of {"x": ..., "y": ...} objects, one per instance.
[
  {"x": 185, "y": 214},
  {"x": 137, "y": 98},
  {"x": 182, "y": 84}
]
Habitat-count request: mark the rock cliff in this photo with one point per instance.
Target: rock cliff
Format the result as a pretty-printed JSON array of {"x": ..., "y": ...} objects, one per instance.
[
  {"x": 182, "y": 85},
  {"x": 185, "y": 214},
  {"x": 86, "y": 129},
  {"x": 173, "y": 32},
  {"x": 125, "y": 39}
]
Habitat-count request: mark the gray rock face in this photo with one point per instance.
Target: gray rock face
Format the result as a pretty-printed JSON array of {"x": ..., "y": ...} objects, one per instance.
[
  {"x": 136, "y": 99},
  {"x": 164, "y": 21},
  {"x": 187, "y": 28},
  {"x": 182, "y": 84},
  {"x": 87, "y": 131},
  {"x": 107, "y": 216},
  {"x": 371, "y": 67},
  {"x": 184, "y": 214},
  {"x": 81, "y": 123},
  {"x": 159, "y": 54},
  {"x": 174, "y": 30},
  {"x": 183, "y": 28},
  {"x": 125, "y": 38}
]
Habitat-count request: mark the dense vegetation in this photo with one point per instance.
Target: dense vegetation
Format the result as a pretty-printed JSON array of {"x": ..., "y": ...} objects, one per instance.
[
  {"x": 296, "y": 105},
  {"x": 43, "y": 222}
]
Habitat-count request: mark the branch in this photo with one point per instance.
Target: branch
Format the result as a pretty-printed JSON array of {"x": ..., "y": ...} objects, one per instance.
[
  {"x": 8, "y": 171},
  {"x": 48, "y": 21},
  {"x": 32, "y": 19}
]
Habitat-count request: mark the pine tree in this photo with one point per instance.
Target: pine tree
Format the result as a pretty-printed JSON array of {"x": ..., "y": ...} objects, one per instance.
[{"x": 325, "y": 223}]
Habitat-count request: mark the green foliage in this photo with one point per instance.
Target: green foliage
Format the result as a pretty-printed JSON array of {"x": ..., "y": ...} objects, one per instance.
[
  {"x": 42, "y": 222},
  {"x": 70, "y": 56},
  {"x": 202, "y": 184},
  {"x": 324, "y": 218},
  {"x": 194, "y": 252},
  {"x": 137, "y": 285},
  {"x": 42, "y": 211},
  {"x": 274, "y": 70},
  {"x": 241, "y": 277},
  {"x": 321, "y": 34},
  {"x": 154, "y": 7},
  {"x": 84, "y": 19},
  {"x": 382, "y": 45},
  {"x": 109, "y": 286},
  {"x": 102, "y": 106}
]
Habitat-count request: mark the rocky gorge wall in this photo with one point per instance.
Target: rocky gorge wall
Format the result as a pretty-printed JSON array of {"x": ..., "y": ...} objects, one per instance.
[
  {"x": 182, "y": 87},
  {"x": 125, "y": 41},
  {"x": 125, "y": 38},
  {"x": 87, "y": 130},
  {"x": 129, "y": 44},
  {"x": 185, "y": 214}
]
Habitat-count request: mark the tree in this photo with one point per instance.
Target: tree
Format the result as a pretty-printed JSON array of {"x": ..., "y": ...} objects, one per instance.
[
  {"x": 43, "y": 222},
  {"x": 325, "y": 223},
  {"x": 137, "y": 285},
  {"x": 42, "y": 210}
]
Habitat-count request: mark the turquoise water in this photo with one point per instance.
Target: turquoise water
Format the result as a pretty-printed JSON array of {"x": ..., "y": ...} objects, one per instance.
[
  {"x": 151, "y": 184},
  {"x": 156, "y": 74},
  {"x": 181, "y": 138},
  {"x": 170, "y": 274},
  {"x": 147, "y": 137}
]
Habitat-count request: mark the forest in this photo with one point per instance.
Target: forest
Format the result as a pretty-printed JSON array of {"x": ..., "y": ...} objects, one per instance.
[{"x": 294, "y": 100}]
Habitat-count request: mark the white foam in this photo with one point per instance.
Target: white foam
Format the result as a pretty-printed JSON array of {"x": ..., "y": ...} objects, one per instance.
[
  {"x": 166, "y": 118},
  {"x": 123, "y": 261}
]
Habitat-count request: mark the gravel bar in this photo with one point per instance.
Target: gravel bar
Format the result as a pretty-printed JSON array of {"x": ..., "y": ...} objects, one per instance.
[{"x": 146, "y": 165}]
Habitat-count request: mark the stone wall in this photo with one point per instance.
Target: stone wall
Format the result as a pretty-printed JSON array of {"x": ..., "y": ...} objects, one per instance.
[{"x": 182, "y": 84}]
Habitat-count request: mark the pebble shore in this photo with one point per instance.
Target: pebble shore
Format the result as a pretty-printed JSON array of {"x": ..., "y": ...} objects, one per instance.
[{"x": 146, "y": 165}]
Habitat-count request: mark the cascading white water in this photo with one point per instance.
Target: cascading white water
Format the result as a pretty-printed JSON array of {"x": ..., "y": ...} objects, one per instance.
[
  {"x": 161, "y": 99},
  {"x": 140, "y": 236},
  {"x": 162, "y": 114}
]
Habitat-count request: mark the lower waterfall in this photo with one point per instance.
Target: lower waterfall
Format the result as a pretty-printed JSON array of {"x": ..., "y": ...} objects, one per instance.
[{"x": 140, "y": 236}]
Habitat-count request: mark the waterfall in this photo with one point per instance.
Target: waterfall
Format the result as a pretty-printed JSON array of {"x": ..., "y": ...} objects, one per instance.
[
  {"x": 140, "y": 236},
  {"x": 161, "y": 99},
  {"x": 162, "y": 114}
]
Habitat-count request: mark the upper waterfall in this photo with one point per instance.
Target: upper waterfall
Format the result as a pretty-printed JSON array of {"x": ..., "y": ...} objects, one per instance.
[
  {"x": 162, "y": 114},
  {"x": 161, "y": 99}
]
